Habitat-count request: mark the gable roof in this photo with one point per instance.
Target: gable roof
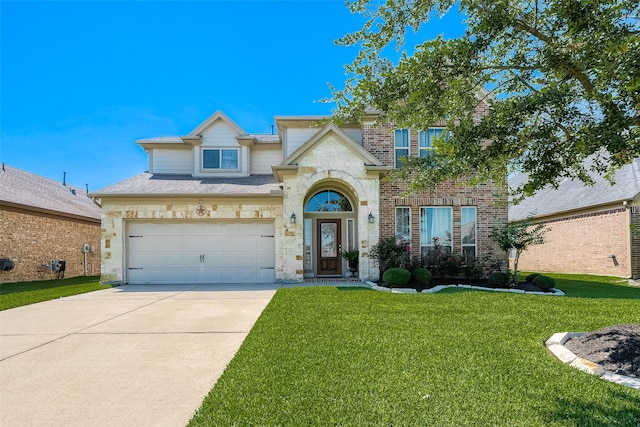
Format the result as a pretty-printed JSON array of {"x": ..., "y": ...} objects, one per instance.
[
  {"x": 218, "y": 115},
  {"x": 148, "y": 184},
  {"x": 573, "y": 195},
  {"x": 194, "y": 136},
  {"x": 290, "y": 163},
  {"x": 26, "y": 190}
]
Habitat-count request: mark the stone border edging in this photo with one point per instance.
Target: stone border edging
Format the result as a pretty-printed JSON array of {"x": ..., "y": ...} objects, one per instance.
[
  {"x": 555, "y": 345},
  {"x": 556, "y": 292}
]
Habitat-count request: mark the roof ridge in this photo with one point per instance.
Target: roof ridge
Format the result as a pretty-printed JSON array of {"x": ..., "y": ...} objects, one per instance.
[
  {"x": 30, "y": 191},
  {"x": 53, "y": 181}
]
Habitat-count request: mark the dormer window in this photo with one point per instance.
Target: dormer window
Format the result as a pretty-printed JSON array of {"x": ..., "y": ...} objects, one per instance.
[{"x": 220, "y": 159}]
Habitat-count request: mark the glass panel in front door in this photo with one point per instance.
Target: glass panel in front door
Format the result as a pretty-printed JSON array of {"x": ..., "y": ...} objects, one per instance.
[{"x": 329, "y": 247}]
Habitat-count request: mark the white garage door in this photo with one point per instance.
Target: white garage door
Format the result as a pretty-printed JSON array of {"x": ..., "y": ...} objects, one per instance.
[{"x": 200, "y": 252}]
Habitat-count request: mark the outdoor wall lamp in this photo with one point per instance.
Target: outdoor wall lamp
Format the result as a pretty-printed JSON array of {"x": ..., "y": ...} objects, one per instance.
[
  {"x": 293, "y": 218},
  {"x": 371, "y": 218}
]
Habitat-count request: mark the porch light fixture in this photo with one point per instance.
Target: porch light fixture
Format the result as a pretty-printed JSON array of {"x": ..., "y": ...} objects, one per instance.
[
  {"x": 293, "y": 218},
  {"x": 371, "y": 218}
]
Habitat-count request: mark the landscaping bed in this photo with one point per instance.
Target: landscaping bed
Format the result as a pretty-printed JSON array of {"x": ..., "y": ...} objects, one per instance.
[
  {"x": 480, "y": 283},
  {"x": 616, "y": 348}
]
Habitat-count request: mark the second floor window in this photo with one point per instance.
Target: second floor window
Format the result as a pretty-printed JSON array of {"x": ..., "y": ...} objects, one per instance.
[
  {"x": 220, "y": 159},
  {"x": 401, "y": 144},
  {"x": 426, "y": 138}
]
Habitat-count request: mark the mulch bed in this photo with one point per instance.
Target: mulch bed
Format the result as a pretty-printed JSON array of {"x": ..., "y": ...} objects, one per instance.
[
  {"x": 615, "y": 348},
  {"x": 436, "y": 281}
]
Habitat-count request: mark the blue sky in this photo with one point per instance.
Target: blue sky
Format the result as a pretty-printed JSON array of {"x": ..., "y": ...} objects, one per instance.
[{"x": 80, "y": 81}]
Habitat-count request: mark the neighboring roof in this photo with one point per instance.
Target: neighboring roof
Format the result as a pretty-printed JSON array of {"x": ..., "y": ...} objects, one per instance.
[
  {"x": 148, "y": 184},
  {"x": 573, "y": 195},
  {"x": 26, "y": 190}
]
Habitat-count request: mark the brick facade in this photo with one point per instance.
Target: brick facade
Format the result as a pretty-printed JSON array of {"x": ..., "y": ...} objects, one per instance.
[
  {"x": 489, "y": 199},
  {"x": 585, "y": 243},
  {"x": 32, "y": 239}
]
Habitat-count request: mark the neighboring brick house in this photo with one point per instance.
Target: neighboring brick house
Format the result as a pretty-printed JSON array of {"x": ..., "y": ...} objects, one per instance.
[
  {"x": 220, "y": 205},
  {"x": 590, "y": 227},
  {"x": 42, "y": 220}
]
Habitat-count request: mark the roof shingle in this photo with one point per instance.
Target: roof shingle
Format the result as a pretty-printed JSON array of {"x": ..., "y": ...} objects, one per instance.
[
  {"x": 25, "y": 189},
  {"x": 148, "y": 184},
  {"x": 574, "y": 194}
]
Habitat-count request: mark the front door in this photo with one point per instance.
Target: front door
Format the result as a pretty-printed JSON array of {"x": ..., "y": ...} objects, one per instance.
[{"x": 329, "y": 248}]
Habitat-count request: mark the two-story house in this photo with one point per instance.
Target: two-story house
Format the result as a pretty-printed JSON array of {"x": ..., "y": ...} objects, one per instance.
[{"x": 220, "y": 205}]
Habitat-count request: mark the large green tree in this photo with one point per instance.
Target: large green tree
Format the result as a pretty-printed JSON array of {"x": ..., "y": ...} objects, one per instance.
[{"x": 563, "y": 80}]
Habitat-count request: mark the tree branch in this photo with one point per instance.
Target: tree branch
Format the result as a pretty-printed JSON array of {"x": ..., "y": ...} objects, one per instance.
[{"x": 573, "y": 70}]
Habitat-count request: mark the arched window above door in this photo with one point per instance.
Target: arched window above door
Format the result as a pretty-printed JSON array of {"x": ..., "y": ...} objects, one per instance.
[{"x": 328, "y": 201}]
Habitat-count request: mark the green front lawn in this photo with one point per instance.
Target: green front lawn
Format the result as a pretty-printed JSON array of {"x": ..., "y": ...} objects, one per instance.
[
  {"x": 17, "y": 294},
  {"x": 355, "y": 357}
]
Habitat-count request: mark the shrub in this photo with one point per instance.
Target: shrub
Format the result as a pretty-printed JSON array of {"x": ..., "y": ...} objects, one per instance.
[
  {"x": 390, "y": 253},
  {"x": 498, "y": 279},
  {"x": 451, "y": 266},
  {"x": 422, "y": 276},
  {"x": 472, "y": 268},
  {"x": 532, "y": 276},
  {"x": 396, "y": 277},
  {"x": 493, "y": 264},
  {"x": 544, "y": 282}
]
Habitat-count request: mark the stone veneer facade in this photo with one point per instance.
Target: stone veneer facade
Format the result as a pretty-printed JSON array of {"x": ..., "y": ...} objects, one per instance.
[
  {"x": 117, "y": 212},
  {"x": 331, "y": 164},
  {"x": 32, "y": 239}
]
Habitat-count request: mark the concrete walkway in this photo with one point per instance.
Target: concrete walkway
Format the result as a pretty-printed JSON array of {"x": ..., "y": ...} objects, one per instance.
[{"x": 126, "y": 356}]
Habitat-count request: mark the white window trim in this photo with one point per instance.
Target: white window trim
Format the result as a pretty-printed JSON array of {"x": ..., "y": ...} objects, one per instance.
[
  {"x": 308, "y": 245},
  {"x": 219, "y": 170},
  {"x": 396, "y": 148},
  {"x": 351, "y": 235},
  {"x": 463, "y": 245},
  {"x": 430, "y": 244},
  {"x": 426, "y": 131},
  {"x": 396, "y": 220}
]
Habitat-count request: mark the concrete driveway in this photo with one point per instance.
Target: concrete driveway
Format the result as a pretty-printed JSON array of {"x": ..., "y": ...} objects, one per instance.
[{"x": 126, "y": 356}]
